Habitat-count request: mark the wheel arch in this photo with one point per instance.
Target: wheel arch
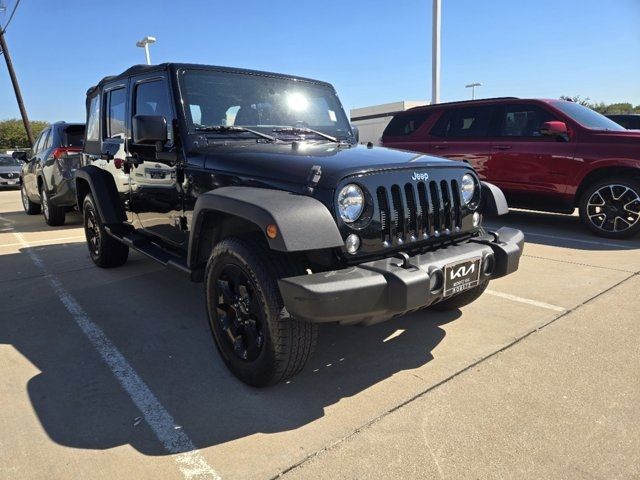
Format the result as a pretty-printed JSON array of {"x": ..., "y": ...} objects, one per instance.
[
  {"x": 303, "y": 223},
  {"x": 102, "y": 186},
  {"x": 601, "y": 173}
]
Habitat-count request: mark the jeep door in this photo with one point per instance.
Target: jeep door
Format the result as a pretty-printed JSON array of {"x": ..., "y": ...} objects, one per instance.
[
  {"x": 532, "y": 169},
  {"x": 463, "y": 134},
  {"x": 155, "y": 199}
]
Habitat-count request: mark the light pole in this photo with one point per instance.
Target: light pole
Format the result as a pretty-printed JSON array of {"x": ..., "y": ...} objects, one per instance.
[
  {"x": 435, "y": 53},
  {"x": 473, "y": 86},
  {"x": 144, "y": 43}
]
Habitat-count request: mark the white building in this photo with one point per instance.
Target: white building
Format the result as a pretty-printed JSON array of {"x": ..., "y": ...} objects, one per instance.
[{"x": 371, "y": 121}]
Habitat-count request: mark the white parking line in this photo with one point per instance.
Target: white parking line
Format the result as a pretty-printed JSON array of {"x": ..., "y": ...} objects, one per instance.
[
  {"x": 528, "y": 301},
  {"x": 566, "y": 239},
  {"x": 579, "y": 240},
  {"x": 190, "y": 461}
]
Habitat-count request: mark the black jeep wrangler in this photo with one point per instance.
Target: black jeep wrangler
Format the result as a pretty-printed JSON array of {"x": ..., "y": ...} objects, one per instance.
[{"x": 273, "y": 205}]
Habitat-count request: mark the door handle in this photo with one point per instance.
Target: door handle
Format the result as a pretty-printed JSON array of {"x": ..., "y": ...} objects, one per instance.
[
  {"x": 439, "y": 147},
  {"x": 502, "y": 147}
]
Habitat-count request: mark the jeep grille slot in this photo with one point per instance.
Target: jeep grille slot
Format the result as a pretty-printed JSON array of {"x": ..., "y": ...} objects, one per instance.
[
  {"x": 383, "y": 205},
  {"x": 412, "y": 210},
  {"x": 398, "y": 212},
  {"x": 418, "y": 211}
]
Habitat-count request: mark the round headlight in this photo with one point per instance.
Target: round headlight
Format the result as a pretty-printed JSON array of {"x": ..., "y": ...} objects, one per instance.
[
  {"x": 350, "y": 203},
  {"x": 467, "y": 188}
]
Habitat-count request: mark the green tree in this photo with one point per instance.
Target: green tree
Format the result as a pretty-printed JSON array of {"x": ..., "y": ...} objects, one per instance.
[
  {"x": 577, "y": 99},
  {"x": 12, "y": 134},
  {"x": 603, "y": 108}
]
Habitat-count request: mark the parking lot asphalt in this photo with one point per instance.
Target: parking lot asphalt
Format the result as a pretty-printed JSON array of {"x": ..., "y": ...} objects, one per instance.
[{"x": 113, "y": 373}]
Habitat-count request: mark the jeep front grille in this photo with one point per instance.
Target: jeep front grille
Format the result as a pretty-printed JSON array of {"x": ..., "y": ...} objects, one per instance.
[{"x": 417, "y": 211}]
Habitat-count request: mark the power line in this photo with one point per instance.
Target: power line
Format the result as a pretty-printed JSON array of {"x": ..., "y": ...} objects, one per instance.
[{"x": 15, "y": 7}]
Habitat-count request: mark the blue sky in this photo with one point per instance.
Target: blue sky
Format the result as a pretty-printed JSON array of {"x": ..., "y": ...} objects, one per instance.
[{"x": 373, "y": 51}]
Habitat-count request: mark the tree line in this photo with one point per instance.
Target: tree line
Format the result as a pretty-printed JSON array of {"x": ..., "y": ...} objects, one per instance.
[
  {"x": 603, "y": 108},
  {"x": 13, "y": 136}
]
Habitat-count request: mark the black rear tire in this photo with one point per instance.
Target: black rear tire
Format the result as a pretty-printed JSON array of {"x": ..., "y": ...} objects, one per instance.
[
  {"x": 30, "y": 208},
  {"x": 105, "y": 251},
  {"x": 262, "y": 344},
  {"x": 610, "y": 207},
  {"x": 461, "y": 299},
  {"x": 53, "y": 215}
]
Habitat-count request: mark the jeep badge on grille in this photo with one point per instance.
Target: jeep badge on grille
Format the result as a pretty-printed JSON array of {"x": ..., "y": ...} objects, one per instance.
[{"x": 419, "y": 176}]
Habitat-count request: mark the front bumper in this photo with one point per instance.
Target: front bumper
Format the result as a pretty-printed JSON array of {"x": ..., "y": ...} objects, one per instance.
[{"x": 382, "y": 289}]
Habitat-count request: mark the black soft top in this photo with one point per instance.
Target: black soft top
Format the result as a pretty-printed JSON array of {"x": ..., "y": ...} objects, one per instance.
[{"x": 138, "y": 69}]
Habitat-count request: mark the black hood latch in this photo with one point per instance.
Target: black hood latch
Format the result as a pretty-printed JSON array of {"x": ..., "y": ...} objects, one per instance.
[{"x": 313, "y": 179}]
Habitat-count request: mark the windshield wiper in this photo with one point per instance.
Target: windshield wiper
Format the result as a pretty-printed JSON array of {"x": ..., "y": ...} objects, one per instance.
[
  {"x": 233, "y": 129},
  {"x": 301, "y": 130}
]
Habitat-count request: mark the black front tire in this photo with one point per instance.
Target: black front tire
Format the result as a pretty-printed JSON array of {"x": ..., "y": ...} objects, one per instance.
[
  {"x": 618, "y": 216},
  {"x": 105, "y": 251},
  {"x": 53, "y": 215},
  {"x": 462, "y": 299},
  {"x": 30, "y": 208},
  {"x": 284, "y": 344}
]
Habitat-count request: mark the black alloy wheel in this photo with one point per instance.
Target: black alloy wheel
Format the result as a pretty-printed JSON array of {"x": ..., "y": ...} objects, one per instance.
[
  {"x": 238, "y": 312},
  {"x": 104, "y": 250},
  {"x": 257, "y": 338}
]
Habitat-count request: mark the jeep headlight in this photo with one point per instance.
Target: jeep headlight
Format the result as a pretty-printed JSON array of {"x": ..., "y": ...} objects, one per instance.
[
  {"x": 350, "y": 203},
  {"x": 467, "y": 188}
]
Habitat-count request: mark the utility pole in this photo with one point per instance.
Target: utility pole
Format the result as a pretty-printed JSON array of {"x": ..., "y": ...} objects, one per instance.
[
  {"x": 435, "y": 53},
  {"x": 16, "y": 87}
]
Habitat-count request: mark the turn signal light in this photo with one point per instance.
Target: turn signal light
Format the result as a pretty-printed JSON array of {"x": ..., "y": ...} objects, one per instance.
[{"x": 272, "y": 231}]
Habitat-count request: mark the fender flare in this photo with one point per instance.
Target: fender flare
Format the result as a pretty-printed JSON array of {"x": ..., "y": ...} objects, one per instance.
[
  {"x": 493, "y": 201},
  {"x": 103, "y": 188},
  {"x": 303, "y": 223}
]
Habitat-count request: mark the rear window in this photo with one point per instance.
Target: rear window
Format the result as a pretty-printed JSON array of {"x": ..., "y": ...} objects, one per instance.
[
  {"x": 73, "y": 136},
  {"x": 405, "y": 124}
]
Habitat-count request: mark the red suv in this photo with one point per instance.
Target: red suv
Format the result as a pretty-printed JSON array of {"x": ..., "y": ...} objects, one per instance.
[{"x": 549, "y": 155}]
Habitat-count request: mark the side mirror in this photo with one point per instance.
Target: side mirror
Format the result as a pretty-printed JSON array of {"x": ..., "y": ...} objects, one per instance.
[
  {"x": 356, "y": 133},
  {"x": 20, "y": 156},
  {"x": 555, "y": 129},
  {"x": 149, "y": 129}
]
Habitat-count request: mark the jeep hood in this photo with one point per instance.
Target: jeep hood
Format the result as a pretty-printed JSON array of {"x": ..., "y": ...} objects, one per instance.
[{"x": 284, "y": 162}]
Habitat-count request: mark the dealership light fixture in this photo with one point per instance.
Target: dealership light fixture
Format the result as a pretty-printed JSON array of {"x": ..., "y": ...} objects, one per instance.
[
  {"x": 473, "y": 86},
  {"x": 144, "y": 43}
]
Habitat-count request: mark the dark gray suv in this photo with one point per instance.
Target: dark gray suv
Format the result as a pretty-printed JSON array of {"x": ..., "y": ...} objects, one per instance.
[{"x": 47, "y": 178}]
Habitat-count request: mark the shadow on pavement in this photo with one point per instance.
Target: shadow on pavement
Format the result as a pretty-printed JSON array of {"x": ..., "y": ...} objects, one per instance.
[
  {"x": 157, "y": 321},
  {"x": 557, "y": 230},
  {"x": 35, "y": 223}
]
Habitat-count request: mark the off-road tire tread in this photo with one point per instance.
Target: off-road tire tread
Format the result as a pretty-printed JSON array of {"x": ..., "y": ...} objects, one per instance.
[
  {"x": 293, "y": 340},
  {"x": 113, "y": 253}
]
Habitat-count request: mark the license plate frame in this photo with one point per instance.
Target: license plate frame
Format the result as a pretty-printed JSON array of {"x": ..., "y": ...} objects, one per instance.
[
  {"x": 155, "y": 174},
  {"x": 461, "y": 276}
]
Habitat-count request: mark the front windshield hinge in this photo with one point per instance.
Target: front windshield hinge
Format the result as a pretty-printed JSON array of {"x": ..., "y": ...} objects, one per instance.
[{"x": 313, "y": 179}]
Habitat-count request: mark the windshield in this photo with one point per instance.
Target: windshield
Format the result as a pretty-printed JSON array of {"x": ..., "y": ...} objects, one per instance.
[
  {"x": 262, "y": 103},
  {"x": 9, "y": 162},
  {"x": 586, "y": 117}
]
